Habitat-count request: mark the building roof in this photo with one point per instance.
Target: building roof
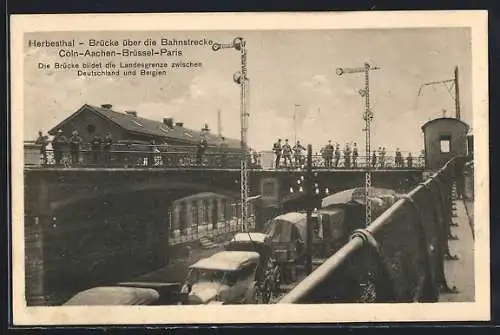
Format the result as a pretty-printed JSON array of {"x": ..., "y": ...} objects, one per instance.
[
  {"x": 447, "y": 119},
  {"x": 226, "y": 260},
  {"x": 152, "y": 128}
]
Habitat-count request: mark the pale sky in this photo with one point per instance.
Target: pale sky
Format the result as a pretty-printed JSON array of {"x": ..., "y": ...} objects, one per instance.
[{"x": 285, "y": 68}]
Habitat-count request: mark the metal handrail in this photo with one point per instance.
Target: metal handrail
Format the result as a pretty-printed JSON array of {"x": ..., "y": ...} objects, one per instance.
[
  {"x": 338, "y": 259},
  {"x": 189, "y": 157}
]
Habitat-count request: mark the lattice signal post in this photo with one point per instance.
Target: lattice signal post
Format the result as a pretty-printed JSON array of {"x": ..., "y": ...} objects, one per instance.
[
  {"x": 368, "y": 117},
  {"x": 240, "y": 78}
]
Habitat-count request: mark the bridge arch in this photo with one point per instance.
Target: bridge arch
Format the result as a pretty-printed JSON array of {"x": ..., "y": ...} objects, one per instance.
[{"x": 183, "y": 189}]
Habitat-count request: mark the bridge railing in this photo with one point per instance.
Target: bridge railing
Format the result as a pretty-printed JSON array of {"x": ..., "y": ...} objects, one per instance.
[
  {"x": 398, "y": 258},
  {"x": 319, "y": 161},
  {"x": 185, "y": 158},
  {"x": 136, "y": 159}
]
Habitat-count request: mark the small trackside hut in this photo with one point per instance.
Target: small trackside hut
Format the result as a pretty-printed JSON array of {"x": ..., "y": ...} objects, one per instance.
[{"x": 444, "y": 139}]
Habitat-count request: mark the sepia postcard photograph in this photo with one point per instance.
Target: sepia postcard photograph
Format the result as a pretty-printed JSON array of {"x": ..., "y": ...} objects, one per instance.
[{"x": 249, "y": 168}]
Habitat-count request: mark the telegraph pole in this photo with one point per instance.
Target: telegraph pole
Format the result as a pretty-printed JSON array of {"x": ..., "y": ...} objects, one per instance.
[
  {"x": 368, "y": 117},
  {"x": 457, "y": 95},
  {"x": 454, "y": 95},
  {"x": 240, "y": 78}
]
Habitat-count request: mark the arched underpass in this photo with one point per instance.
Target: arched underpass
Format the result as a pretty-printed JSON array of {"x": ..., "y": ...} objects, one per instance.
[{"x": 105, "y": 239}]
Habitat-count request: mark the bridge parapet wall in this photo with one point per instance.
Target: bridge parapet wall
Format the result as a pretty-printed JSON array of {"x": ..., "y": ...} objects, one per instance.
[{"x": 398, "y": 258}]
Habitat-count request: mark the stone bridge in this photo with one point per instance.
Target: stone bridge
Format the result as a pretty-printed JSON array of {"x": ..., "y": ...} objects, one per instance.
[
  {"x": 50, "y": 190},
  {"x": 83, "y": 224}
]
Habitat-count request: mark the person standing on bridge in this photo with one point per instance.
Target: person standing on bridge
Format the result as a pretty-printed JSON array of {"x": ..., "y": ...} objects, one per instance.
[
  {"x": 409, "y": 160},
  {"x": 157, "y": 161},
  {"x": 95, "y": 146},
  {"x": 382, "y": 158},
  {"x": 347, "y": 156},
  {"x": 200, "y": 150},
  {"x": 297, "y": 154},
  {"x": 222, "y": 151},
  {"x": 328, "y": 154},
  {"x": 75, "y": 142},
  {"x": 107, "y": 143},
  {"x": 287, "y": 154},
  {"x": 277, "y": 151},
  {"x": 42, "y": 141},
  {"x": 374, "y": 159},
  {"x": 398, "y": 159},
  {"x": 337, "y": 155},
  {"x": 58, "y": 144},
  {"x": 355, "y": 155},
  {"x": 421, "y": 159},
  {"x": 256, "y": 160}
]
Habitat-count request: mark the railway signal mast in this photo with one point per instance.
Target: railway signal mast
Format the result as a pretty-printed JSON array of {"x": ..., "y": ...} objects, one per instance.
[
  {"x": 368, "y": 117},
  {"x": 240, "y": 78}
]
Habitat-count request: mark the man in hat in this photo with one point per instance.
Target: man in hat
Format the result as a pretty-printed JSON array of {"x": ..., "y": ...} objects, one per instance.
[
  {"x": 297, "y": 152},
  {"x": 355, "y": 155},
  {"x": 328, "y": 154},
  {"x": 287, "y": 153},
  {"x": 256, "y": 158},
  {"x": 200, "y": 149},
  {"x": 277, "y": 152},
  {"x": 106, "y": 145},
  {"x": 96, "y": 146},
  {"x": 42, "y": 141},
  {"x": 374, "y": 159},
  {"x": 75, "y": 141},
  {"x": 337, "y": 155},
  {"x": 421, "y": 158},
  {"x": 398, "y": 160},
  {"x": 409, "y": 160},
  {"x": 382, "y": 158},
  {"x": 58, "y": 144},
  {"x": 347, "y": 156}
]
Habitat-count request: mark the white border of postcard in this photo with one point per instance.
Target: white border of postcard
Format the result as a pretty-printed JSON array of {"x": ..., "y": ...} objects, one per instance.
[{"x": 478, "y": 310}]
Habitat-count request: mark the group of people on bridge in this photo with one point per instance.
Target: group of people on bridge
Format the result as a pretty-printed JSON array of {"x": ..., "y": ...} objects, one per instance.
[
  {"x": 60, "y": 144},
  {"x": 331, "y": 156},
  {"x": 102, "y": 150}
]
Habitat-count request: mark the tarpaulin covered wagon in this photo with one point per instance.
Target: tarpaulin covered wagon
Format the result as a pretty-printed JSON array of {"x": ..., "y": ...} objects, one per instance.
[{"x": 343, "y": 212}]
